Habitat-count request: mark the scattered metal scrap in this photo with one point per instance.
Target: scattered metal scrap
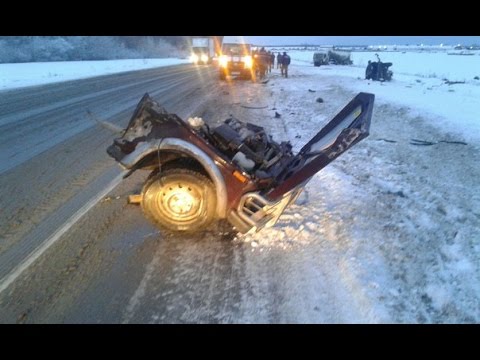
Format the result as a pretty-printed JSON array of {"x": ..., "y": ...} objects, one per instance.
[
  {"x": 429, "y": 143},
  {"x": 386, "y": 140},
  {"x": 109, "y": 126},
  {"x": 254, "y": 107},
  {"x": 448, "y": 82},
  {"x": 135, "y": 199},
  {"x": 424, "y": 142}
]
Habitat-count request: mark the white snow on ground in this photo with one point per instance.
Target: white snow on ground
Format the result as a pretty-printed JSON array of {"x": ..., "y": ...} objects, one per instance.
[
  {"x": 29, "y": 74},
  {"x": 398, "y": 225},
  {"x": 392, "y": 230},
  {"x": 419, "y": 83},
  {"x": 433, "y": 64}
]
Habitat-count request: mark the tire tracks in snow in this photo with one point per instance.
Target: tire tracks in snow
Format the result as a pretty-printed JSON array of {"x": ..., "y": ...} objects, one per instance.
[{"x": 28, "y": 222}]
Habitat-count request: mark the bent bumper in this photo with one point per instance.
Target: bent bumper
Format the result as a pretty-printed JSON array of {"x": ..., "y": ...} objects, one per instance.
[{"x": 256, "y": 212}]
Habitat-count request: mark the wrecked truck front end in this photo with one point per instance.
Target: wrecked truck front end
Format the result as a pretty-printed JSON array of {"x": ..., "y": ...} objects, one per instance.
[
  {"x": 248, "y": 178},
  {"x": 348, "y": 127}
]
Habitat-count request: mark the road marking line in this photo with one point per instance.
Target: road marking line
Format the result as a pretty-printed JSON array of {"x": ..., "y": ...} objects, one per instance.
[
  {"x": 30, "y": 259},
  {"x": 141, "y": 290}
]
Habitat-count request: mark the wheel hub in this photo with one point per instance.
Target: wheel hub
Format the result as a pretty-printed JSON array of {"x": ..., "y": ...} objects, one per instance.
[
  {"x": 179, "y": 199},
  {"x": 180, "y": 203}
]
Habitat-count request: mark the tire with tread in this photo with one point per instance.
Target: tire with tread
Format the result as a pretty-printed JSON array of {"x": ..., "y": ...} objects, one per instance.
[{"x": 160, "y": 200}]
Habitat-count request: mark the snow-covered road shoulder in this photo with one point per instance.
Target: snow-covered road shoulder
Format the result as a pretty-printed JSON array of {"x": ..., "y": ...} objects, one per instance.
[
  {"x": 29, "y": 74},
  {"x": 393, "y": 224}
]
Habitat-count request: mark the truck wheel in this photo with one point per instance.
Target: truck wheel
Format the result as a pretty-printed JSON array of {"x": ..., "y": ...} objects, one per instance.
[{"x": 179, "y": 200}]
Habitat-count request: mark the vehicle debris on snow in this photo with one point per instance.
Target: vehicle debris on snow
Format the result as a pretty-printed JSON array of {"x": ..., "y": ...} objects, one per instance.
[{"x": 234, "y": 171}]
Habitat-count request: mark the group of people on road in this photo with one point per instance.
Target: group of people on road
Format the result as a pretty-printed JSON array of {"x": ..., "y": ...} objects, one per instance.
[{"x": 265, "y": 62}]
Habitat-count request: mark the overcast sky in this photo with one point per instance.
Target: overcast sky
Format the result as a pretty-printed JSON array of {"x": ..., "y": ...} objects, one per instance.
[{"x": 360, "y": 40}]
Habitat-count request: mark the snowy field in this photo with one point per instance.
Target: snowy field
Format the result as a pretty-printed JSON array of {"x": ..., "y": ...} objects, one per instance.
[
  {"x": 430, "y": 64},
  {"x": 418, "y": 83},
  {"x": 398, "y": 225},
  {"x": 29, "y": 74}
]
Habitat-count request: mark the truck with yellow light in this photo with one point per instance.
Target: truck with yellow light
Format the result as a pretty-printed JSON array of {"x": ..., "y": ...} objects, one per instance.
[{"x": 236, "y": 61}]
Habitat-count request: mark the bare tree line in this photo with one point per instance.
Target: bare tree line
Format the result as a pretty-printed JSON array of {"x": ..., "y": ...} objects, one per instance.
[{"x": 14, "y": 49}]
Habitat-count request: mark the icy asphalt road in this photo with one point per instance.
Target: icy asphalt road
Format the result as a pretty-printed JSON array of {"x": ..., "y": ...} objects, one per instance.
[{"x": 373, "y": 243}]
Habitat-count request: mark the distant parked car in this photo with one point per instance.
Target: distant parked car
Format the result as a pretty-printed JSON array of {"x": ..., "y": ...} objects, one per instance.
[{"x": 320, "y": 58}]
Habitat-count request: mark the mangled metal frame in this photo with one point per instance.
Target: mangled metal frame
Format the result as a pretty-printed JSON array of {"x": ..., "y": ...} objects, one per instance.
[{"x": 155, "y": 137}]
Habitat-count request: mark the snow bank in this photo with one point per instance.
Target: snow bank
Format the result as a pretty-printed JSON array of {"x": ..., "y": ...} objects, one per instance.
[
  {"x": 393, "y": 225},
  {"x": 29, "y": 74}
]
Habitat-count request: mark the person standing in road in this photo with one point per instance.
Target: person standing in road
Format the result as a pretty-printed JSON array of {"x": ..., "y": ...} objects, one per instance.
[
  {"x": 279, "y": 60},
  {"x": 263, "y": 62},
  {"x": 284, "y": 65}
]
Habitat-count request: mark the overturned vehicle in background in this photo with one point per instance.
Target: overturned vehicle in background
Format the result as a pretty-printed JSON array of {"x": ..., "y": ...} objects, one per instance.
[
  {"x": 234, "y": 171},
  {"x": 378, "y": 71}
]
